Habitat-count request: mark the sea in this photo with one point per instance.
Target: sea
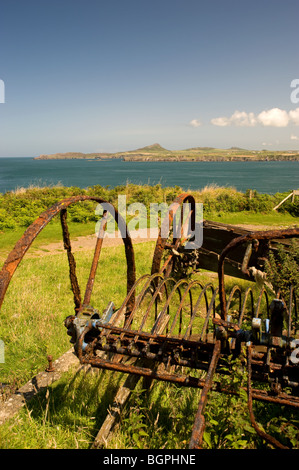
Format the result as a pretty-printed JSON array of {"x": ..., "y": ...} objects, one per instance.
[{"x": 267, "y": 177}]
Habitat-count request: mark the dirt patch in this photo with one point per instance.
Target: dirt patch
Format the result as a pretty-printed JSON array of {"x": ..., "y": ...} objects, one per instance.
[{"x": 88, "y": 242}]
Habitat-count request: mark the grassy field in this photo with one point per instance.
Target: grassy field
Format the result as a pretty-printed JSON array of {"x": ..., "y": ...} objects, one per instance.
[{"x": 70, "y": 412}]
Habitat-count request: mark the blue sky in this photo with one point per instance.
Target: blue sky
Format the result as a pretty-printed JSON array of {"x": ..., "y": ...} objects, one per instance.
[{"x": 96, "y": 76}]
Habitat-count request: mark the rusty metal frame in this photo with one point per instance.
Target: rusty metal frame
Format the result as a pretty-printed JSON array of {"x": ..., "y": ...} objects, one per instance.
[{"x": 148, "y": 350}]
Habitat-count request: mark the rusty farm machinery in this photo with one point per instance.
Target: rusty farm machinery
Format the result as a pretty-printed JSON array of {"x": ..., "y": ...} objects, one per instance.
[{"x": 171, "y": 325}]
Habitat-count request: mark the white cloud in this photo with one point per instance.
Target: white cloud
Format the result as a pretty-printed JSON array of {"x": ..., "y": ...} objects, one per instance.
[
  {"x": 238, "y": 118},
  {"x": 241, "y": 118},
  {"x": 294, "y": 137},
  {"x": 221, "y": 121},
  {"x": 195, "y": 123},
  {"x": 294, "y": 116},
  {"x": 274, "y": 117}
]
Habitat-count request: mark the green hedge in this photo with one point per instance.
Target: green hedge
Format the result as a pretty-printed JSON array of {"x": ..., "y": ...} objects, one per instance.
[{"x": 21, "y": 208}]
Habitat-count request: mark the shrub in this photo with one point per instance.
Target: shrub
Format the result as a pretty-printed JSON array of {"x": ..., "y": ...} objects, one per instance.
[{"x": 282, "y": 269}]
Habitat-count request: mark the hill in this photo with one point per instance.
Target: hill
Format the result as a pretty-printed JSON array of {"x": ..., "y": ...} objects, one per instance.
[{"x": 156, "y": 152}]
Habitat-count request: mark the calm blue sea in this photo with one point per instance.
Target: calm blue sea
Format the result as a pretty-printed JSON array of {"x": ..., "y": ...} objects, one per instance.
[{"x": 265, "y": 177}]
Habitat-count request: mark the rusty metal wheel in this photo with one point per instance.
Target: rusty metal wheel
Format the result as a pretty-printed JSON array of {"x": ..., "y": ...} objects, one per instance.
[
  {"x": 174, "y": 233},
  {"x": 16, "y": 255}
]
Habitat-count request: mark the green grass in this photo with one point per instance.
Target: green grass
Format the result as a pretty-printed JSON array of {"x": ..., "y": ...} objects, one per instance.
[
  {"x": 66, "y": 416},
  {"x": 271, "y": 219},
  {"x": 69, "y": 414}
]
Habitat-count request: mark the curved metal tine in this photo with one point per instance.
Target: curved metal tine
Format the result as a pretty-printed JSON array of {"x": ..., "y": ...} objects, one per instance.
[
  {"x": 211, "y": 306},
  {"x": 187, "y": 290},
  {"x": 123, "y": 306},
  {"x": 153, "y": 300},
  {"x": 236, "y": 288},
  {"x": 162, "y": 313},
  {"x": 179, "y": 309},
  {"x": 193, "y": 310},
  {"x": 72, "y": 263},
  {"x": 203, "y": 293},
  {"x": 95, "y": 261},
  {"x": 247, "y": 292},
  {"x": 257, "y": 310},
  {"x": 107, "y": 333},
  {"x": 140, "y": 298},
  {"x": 171, "y": 294}
]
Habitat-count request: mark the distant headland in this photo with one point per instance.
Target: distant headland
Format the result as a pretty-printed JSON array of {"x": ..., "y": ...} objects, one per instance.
[{"x": 156, "y": 152}]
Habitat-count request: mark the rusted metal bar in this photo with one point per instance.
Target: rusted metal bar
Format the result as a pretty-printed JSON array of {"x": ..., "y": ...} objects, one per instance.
[
  {"x": 94, "y": 265},
  {"x": 183, "y": 380},
  {"x": 199, "y": 423},
  {"x": 71, "y": 259}
]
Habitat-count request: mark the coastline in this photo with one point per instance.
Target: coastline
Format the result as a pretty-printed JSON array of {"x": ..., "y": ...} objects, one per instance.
[
  {"x": 280, "y": 158},
  {"x": 156, "y": 153}
]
